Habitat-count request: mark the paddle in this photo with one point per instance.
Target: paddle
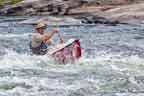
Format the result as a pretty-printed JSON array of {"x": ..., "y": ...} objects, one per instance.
[
  {"x": 61, "y": 39},
  {"x": 59, "y": 35},
  {"x": 57, "y": 21}
]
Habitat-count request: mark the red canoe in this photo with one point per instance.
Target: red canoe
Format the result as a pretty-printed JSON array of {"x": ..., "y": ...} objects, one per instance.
[{"x": 66, "y": 52}]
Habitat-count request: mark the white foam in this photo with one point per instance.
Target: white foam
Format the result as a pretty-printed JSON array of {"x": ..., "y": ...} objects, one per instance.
[
  {"x": 14, "y": 35},
  {"x": 13, "y": 59}
]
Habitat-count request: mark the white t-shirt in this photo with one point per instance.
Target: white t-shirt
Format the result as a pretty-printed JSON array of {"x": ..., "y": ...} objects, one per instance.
[{"x": 36, "y": 40}]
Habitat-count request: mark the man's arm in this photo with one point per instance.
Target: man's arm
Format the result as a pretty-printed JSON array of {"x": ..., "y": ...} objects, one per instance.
[{"x": 48, "y": 36}]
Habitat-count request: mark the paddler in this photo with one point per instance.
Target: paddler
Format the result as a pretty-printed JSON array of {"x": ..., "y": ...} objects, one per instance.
[{"x": 41, "y": 40}]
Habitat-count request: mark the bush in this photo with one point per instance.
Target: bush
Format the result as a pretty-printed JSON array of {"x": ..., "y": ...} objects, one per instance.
[
  {"x": 15, "y": 1},
  {"x": 3, "y": 2}
]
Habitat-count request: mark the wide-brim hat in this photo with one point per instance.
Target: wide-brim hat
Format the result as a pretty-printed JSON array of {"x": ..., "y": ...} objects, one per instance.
[{"x": 41, "y": 25}]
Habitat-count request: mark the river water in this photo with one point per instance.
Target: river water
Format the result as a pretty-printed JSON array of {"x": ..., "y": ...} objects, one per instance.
[{"x": 112, "y": 62}]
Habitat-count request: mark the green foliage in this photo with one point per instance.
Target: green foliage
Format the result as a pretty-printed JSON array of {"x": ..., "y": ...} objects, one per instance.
[
  {"x": 3, "y": 2},
  {"x": 15, "y": 1}
]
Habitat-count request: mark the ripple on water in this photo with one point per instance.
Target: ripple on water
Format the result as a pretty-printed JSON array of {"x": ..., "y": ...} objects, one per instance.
[{"x": 112, "y": 64}]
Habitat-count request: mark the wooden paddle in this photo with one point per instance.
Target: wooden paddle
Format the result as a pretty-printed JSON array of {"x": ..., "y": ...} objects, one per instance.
[
  {"x": 59, "y": 35},
  {"x": 61, "y": 39}
]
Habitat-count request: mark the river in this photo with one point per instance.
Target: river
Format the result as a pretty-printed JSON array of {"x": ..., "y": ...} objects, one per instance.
[{"x": 112, "y": 63}]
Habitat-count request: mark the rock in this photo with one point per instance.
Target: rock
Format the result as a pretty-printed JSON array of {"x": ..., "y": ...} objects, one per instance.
[
  {"x": 107, "y": 2},
  {"x": 111, "y": 11},
  {"x": 53, "y": 21},
  {"x": 36, "y": 7},
  {"x": 97, "y": 20},
  {"x": 128, "y": 13}
]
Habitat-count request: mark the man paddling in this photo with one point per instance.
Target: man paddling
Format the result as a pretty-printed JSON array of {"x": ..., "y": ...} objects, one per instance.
[{"x": 41, "y": 40}]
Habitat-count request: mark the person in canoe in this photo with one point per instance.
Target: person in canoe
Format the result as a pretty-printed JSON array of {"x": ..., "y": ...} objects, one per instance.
[{"x": 41, "y": 40}]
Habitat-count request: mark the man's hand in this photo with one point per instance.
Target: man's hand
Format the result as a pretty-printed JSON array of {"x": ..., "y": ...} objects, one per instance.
[
  {"x": 62, "y": 40},
  {"x": 49, "y": 42}
]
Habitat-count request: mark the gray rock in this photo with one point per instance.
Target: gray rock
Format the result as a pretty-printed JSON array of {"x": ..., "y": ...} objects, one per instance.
[
  {"x": 36, "y": 7},
  {"x": 93, "y": 19},
  {"x": 53, "y": 21}
]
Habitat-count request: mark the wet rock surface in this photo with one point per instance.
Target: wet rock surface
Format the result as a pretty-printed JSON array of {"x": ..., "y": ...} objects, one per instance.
[
  {"x": 52, "y": 21},
  {"x": 91, "y": 19},
  {"x": 42, "y": 7},
  {"x": 66, "y": 20},
  {"x": 111, "y": 11}
]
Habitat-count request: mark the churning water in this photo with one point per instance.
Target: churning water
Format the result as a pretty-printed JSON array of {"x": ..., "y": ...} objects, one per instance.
[{"x": 112, "y": 63}]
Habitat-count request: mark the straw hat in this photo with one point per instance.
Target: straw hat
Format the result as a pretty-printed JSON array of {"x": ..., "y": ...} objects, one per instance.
[{"x": 41, "y": 25}]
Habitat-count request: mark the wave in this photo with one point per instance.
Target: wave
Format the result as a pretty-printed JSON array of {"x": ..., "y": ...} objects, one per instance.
[
  {"x": 104, "y": 73},
  {"x": 14, "y": 35},
  {"x": 12, "y": 58}
]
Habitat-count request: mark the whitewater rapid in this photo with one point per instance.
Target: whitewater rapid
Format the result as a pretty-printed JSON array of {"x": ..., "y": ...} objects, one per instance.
[{"x": 112, "y": 63}]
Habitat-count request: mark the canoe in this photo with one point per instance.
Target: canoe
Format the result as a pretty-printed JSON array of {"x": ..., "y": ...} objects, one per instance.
[{"x": 67, "y": 52}]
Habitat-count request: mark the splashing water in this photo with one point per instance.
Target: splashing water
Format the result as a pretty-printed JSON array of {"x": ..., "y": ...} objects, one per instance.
[{"x": 112, "y": 63}]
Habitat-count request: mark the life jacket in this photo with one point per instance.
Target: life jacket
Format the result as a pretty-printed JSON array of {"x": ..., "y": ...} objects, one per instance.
[{"x": 40, "y": 50}]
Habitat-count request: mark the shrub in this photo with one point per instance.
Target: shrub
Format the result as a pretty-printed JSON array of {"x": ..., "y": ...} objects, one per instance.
[
  {"x": 3, "y": 2},
  {"x": 15, "y": 1}
]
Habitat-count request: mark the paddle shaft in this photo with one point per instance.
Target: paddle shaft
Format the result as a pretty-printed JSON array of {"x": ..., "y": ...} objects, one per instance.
[
  {"x": 59, "y": 35},
  {"x": 61, "y": 39}
]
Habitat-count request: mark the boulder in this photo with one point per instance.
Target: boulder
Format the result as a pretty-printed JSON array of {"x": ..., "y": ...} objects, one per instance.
[
  {"x": 52, "y": 21},
  {"x": 37, "y": 7},
  {"x": 94, "y": 19},
  {"x": 128, "y": 14}
]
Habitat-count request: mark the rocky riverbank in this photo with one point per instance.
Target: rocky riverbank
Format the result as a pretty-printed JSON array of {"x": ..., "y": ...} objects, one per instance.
[{"x": 88, "y": 11}]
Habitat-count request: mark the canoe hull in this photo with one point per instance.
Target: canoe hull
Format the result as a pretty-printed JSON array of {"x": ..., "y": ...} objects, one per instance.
[{"x": 70, "y": 52}]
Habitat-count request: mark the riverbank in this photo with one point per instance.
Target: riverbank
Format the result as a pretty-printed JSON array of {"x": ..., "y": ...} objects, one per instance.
[{"x": 89, "y": 12}]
